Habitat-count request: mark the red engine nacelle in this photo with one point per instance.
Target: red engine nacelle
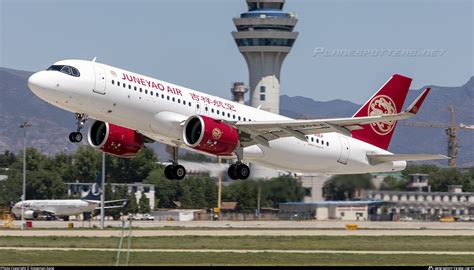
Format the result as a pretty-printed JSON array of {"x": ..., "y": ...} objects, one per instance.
[
  {"x": 210, "y": 135},
  {"x": 115, "y": 140}
]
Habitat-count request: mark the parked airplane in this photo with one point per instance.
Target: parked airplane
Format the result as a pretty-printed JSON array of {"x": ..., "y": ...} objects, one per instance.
[
  {"x": 131, "y": 109},
  {"x": 63, "y": 208}
]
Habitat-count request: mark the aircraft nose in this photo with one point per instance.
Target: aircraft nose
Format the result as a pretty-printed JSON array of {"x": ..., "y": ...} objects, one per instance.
[{"x": 37, "y": 82}]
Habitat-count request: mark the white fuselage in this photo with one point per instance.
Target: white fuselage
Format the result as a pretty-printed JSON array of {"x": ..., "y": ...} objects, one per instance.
[
  {"x": 157, "y": 109},
  {"x": 55, "y": 207}
]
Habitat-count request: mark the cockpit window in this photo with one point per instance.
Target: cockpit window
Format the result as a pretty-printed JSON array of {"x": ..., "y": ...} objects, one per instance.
[{"x": 66, "y": 70}]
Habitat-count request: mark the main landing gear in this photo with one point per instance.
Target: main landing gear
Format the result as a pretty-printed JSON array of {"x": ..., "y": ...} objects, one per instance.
[
  {"x": 238, "y": 170},
  {"x": 81, "y": 119},
  {"x": 175, "y": 171}
]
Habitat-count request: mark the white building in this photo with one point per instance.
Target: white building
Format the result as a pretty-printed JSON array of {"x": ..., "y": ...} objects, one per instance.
[{"x": 324, "y": 210}]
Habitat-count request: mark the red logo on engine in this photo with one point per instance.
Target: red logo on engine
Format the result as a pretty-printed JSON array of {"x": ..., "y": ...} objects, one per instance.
[
  {"x": 382, "y": 105},
  {"x": 216, "y": 133}
]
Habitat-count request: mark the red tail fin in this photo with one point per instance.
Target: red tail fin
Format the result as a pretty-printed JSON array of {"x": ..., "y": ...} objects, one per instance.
[{"x": 388, "y": 100}]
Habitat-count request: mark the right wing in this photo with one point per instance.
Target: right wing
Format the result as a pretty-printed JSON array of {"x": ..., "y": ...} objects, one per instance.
[{"x": 262, "y": 132}]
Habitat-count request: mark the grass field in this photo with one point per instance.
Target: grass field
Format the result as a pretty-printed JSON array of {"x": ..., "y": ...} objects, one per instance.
[
  {"x": 184, "y": 258},
  {"x": 425, "y": 243},
  {"x": 378, "y": 243}
]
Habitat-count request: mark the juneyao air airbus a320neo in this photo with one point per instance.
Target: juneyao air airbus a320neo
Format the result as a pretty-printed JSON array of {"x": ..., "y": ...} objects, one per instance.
[{"x": 131, "y": 109}]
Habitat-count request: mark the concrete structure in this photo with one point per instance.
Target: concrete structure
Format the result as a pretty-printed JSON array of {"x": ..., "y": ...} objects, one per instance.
[
  {"x": 238, "y": 91},
  {"x": 324, "y": 210},
  {"x": 81, "y": 189},
  {"x": 313, "y": 185},
  {"x": 425, "y": 205},
  {"x": 265, "y": 36},
  {"x": 176, "y": 214}
]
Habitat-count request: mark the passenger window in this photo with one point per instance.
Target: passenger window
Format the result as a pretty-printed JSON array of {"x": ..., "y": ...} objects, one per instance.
[
  {"x": 245, "y": 119},
  {"x": 113, "y": 82},
  {"x": 223, "y": 113},
  {"x": 317, "y": 140},
  {"x": 179, "y": 101},
  {"x": 189, "y": 103},
  {"x": 312, "y": 139},
  {"x": 140, "y": 90},
  {"x": 233, "y": 116},
  {"x": 129, "y": 86},
  {"x": 157, "y": 95},
  {"x": 118, "y": 83},
  {"x": 197, "y": 106},
  {"x": 212, "y": 110},
  {"x": 322, "y": 142},
  {"x": 173, "y": 99},
  {"x": 168, "y": 97},
  {"x": 327, "y": 143},
  {"x": 146, "y": 91},
  {"x": 239, "y": 118},
  {"x": 162, "y": 96},
  {"x": 218, "y": 112},
  {"x": 124, "y": 85}
]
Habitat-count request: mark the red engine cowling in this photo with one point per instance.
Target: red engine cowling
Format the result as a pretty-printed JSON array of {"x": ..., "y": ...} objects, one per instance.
[
  {"x": 115, "y": 140},
  {"x": 210, "y": 135}
]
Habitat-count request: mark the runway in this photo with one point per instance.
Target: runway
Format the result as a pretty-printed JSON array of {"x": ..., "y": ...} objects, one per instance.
[
  {"x": 278, "y": 224},
  {"x": 235, "y": 232},
  {"x": 404, "y": 252}
]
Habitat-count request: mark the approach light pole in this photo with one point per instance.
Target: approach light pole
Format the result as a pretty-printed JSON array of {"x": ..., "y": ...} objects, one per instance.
[
  {"x": 23, "y": 197},
  {"x": 102, "y": 193}
]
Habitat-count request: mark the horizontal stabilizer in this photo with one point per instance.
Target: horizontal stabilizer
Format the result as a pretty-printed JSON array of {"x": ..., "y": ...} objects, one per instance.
[{"x": 376, "y": 159}]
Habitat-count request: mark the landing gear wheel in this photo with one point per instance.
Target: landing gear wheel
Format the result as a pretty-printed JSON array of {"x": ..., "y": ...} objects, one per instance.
[
  {"x": 169, "y": 172},
  {"x": 179, "y": 172},
  {"x": 81, "y": 119},
  {"x": 232, "y": 172},
  {"x": 75, "y": 137},
  {"x": 243, "y": 171}
]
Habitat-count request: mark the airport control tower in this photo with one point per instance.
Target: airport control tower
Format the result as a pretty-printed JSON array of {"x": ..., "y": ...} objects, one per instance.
[{"x": 265, "y": 36}]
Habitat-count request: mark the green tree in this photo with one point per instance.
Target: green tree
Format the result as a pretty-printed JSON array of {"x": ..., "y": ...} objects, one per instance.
[
  {"x": 165, "y": 190},
  {"x": 392, "y": 183},
  {"x": 85, "y": 164},
  {"x": 129, "y": 170},
  {"x": 132, "y": 206},
  {"x": 44, "y": 185},
  {"x": 344, "y": 187},
  {"x": 144, "y": 204}
]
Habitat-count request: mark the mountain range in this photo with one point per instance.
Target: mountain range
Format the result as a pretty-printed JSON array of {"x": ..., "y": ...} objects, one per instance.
[{"x": 51, "y": 125}]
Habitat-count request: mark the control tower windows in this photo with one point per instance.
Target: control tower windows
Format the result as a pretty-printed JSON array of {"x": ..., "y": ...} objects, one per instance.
[{"x": 264, "y": 42}]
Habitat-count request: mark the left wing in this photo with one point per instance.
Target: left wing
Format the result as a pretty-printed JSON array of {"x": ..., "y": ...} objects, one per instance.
[{"x": 262, "y": 132}]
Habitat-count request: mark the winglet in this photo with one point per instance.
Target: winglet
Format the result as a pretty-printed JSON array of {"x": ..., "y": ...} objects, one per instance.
[{"x": 415, "y": 106}]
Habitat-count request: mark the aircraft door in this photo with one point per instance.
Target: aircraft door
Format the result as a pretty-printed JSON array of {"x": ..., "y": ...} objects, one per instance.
[
  {"x": 345, "y": 150},
  {"x": 99, "y": 86}
]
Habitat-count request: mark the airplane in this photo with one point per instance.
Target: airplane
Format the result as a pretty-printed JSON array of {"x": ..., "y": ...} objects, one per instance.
[
  {"x": 131, "y": 109},
  {"x": 52, "y": 209}
]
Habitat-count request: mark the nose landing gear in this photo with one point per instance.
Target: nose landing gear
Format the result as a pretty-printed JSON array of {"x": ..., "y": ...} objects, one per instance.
[{"x": 81, "y": 119}]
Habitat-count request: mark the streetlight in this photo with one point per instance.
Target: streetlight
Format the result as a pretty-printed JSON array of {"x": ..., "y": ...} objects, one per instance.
[
  {"x": 23, "y": 197},
  {"x": 102, "y": 193}
]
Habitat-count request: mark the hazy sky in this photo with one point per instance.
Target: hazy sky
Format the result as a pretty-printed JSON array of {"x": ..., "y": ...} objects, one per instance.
[{"x": 189, "y": 42}]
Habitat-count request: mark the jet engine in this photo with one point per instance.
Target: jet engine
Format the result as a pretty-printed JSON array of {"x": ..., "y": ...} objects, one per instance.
[
  {"x": 30, "y": 214},
  {"x": 115, "y": 140},
  {"x": 210, "y": 135}
]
